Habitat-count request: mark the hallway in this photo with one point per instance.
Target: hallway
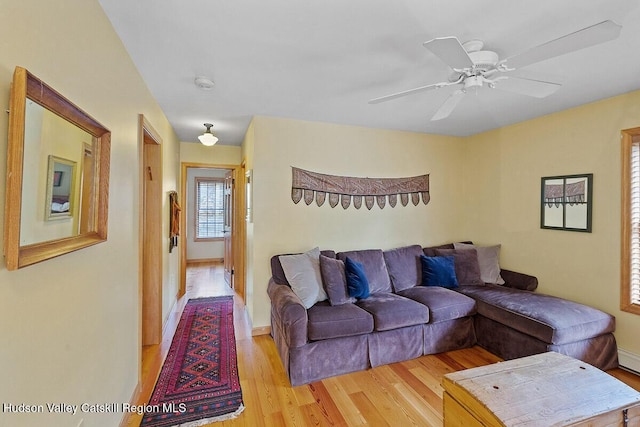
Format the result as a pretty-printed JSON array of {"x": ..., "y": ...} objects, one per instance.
[{"x": 204, "y": 279}]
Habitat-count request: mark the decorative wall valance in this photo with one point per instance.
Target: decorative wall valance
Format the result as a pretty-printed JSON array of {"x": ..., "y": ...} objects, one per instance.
[
  {"x": 571, "y": 193},
  {"x": 345, "y": 189}
]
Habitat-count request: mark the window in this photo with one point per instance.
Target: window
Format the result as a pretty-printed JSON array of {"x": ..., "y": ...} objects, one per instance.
[
  {"x": 630, "y": 269},
  {"x": 209, "y": 208}
]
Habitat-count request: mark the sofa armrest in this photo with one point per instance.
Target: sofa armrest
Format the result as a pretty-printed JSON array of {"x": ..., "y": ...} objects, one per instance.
[
  {"x": 290, "y": 316},
  {"x": 516, "y": 280}
]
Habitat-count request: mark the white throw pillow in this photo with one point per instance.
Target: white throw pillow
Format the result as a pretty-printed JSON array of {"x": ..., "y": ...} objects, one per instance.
[
  {"x": 488, "y": 258},
  {"x": 303, "y": 274}
]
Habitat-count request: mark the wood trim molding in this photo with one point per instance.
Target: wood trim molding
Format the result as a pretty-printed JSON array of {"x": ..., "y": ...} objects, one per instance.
[
  {"x": 262, "y": 330},
  {"x": 205, "y": 261},
  {"x": 124, "y": 422},
  {"x": 627, "y": 138}
]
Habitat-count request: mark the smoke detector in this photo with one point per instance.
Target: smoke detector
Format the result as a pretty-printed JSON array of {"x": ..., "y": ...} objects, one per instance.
[{"x": 204, "y": 83}]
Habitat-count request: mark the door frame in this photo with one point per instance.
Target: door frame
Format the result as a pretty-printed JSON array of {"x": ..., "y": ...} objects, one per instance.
[
  {"x": 229, "y": 222},
  {"x": 150, "y": 235},
  {"x": 239, "y": 226}
]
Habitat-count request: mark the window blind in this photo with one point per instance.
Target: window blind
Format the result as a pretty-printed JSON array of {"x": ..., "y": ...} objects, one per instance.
[
  {"x": 635, "y": 223},
  {"x": 209, "y": 209}
]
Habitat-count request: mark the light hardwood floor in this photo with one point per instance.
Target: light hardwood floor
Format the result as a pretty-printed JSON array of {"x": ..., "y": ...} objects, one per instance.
[{"x": 399, "y": 394}]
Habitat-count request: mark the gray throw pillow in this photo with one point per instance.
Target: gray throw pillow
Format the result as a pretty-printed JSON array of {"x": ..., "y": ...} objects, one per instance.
[
  {"x": 303, "y": 274},
  {"x": 488, "y": 258}
]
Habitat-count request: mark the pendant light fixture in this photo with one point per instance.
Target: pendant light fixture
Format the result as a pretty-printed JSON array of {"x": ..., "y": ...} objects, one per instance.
[{"x": 208, "y": 138}]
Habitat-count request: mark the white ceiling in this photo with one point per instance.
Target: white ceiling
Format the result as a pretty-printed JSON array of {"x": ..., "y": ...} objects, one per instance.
[{"x": 323, "y": 60}]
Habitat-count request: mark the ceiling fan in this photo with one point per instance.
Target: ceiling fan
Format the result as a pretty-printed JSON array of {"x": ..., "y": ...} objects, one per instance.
[{"x": 473, "y": 67}]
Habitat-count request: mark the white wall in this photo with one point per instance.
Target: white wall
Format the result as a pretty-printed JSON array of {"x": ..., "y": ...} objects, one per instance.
[
  {"x": 200, "y": 249},
  {"x": 70, "y": 325}
]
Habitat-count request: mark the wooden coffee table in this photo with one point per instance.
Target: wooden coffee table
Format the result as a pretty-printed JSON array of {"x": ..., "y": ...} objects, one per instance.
[{"x": 547, "y": 389}]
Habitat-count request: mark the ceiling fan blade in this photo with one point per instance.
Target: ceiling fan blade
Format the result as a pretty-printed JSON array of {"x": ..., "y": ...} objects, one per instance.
[
  {"x": 529, "y": 87},
  {"x": 449, "y": 50},
  {"x": 449, "y": 105},
  {"x": 408, "y": 92},
  {"x": 589, "y": 36}
]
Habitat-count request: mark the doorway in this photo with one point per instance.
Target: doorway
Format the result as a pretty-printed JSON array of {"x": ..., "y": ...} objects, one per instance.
[
  {"x": 229, "y": 195},
  {"x": 150, "y": 239},
  {"x": 226, "y": 246}
]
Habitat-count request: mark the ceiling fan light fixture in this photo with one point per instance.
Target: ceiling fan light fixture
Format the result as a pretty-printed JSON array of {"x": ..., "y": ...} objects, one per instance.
[
  {"x": 473, "y": 81},
  {"x": 474, "y": 67},
  {"x": 208, "y": 138}
]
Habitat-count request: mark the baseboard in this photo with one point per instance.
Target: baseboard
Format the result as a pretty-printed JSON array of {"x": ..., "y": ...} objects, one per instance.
[
  {"x": 166, "y": 320},
  {"x": 262, "y": 330},
  {"x": 628, "y": 360},
  {"x": 205, "y": 260},
  {"x": 133, "y": 401}
]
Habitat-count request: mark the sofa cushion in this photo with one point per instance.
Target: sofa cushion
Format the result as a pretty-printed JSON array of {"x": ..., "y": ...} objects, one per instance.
[
  {"x": 334, "y": 280},
  {"x": 466, "y": 265},
  {"x": 550, "y": 319},
  {"x": 357, "y": 283},
  {"x": 404, "y": 268},
  {"x": 303, "y": 274},
  {"x": 438, "y": 271},
  {"x": 444, "y": 304},
  {"x": 374, "y": 267},
  {"x": 278, "y": 273},
  {"x": 516, "y": 280},
  {"x": 392, "y": 311},
  {"x": 326, "y": 321},
  {"x": 489, "y": 260}
]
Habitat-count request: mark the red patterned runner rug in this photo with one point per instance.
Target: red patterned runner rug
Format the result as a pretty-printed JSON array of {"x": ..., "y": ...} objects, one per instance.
[{"x": 199, "y": 381}]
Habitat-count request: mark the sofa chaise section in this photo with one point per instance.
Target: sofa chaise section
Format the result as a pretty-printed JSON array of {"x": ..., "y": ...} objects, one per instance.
[{"x": 513, "y": 323}]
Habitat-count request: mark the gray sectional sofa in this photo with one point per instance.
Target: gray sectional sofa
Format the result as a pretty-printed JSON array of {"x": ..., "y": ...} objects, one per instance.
[{"x": 401, "y": 319}]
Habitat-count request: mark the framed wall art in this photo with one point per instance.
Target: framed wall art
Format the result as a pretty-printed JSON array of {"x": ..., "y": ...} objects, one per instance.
[{"x": 566, "y": 202}]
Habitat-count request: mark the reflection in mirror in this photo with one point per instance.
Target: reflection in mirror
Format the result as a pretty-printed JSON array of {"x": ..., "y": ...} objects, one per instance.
[
  {"x": 57, "y": 175},
  {"x": 61, "y": 190},
  {"x": 52, "y": 188}
]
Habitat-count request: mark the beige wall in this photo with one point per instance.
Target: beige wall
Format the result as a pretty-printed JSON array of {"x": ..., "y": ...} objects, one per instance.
[
  {"x": 282, "y": 226},
  {"x": 485, "y": 188},
  {"x": 503, "y": 192},
  {"x": 70, "y": 325},
  {"x": 227, "y": 155}
]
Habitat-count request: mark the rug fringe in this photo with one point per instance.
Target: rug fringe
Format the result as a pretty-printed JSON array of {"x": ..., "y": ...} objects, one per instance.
[{"x": 205, "y": 421}]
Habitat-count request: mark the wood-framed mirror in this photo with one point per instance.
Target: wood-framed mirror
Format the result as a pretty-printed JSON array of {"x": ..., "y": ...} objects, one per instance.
[{"x": 57, "y": 175}]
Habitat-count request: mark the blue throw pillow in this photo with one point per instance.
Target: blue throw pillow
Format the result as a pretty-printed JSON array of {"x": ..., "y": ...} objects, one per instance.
[
  {"x": 357, "y": 283},
  {"x": 439, "y": 271}
]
